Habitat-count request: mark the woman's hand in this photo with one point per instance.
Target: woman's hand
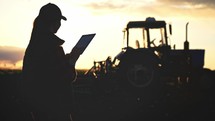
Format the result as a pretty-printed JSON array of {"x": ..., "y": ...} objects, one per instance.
[{"x": 73, "y": 56}]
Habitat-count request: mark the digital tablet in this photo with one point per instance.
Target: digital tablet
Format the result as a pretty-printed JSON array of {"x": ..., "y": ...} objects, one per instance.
[{"x": 83, "y": 42}]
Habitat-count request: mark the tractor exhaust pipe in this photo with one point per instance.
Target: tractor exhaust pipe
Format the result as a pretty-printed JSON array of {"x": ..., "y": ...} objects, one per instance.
[{"x": 186, "y": 43}]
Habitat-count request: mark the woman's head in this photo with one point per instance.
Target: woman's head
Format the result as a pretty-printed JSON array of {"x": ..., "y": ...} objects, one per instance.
[
  {"x": 51, "y": 12},
  {"x": 49, "y": 18}
]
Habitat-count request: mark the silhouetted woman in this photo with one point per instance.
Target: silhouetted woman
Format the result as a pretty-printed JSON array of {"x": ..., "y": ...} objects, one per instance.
[{"x": 47, "y": 70}]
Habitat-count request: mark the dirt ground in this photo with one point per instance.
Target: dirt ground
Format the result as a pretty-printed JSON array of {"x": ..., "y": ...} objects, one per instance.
[
  {"x": 168, "y": 103},
  {"x": 99, "y": 100}
]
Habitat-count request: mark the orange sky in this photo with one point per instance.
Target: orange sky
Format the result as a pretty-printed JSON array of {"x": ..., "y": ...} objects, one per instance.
[{"x": 107, "y": 18}]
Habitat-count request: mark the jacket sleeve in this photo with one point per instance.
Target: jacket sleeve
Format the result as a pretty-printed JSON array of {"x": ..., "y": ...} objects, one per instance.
[{"x": 58, "y": 64}]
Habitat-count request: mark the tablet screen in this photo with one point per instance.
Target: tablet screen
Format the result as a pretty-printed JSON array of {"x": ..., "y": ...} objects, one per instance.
[{"x": 84, "y": 42}]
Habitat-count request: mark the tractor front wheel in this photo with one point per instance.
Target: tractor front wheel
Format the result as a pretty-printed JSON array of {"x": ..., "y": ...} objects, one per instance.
[{"x": 137, "y": 72}]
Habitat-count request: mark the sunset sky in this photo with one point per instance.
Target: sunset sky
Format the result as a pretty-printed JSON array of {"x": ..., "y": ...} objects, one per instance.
[{"x": 106, "y": 18}]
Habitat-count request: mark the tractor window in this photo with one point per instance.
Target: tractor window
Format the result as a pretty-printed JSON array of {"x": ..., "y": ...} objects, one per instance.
[
  {"x": 157, "y": 37},
  {"x": 137, "y": 38}
]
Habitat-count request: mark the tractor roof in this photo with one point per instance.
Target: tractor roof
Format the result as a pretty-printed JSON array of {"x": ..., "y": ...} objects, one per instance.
[{"x": 146, "y": 24}]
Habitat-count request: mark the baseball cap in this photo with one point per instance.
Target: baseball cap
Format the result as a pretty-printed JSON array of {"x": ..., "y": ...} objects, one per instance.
[{"x": 51, "y": 12}]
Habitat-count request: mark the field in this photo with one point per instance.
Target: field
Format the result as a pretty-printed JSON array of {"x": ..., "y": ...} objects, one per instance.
[{"x": 105, "y": 100}]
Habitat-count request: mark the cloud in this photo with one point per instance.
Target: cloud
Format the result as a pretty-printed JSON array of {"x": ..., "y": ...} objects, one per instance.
[
  {"x": 188, "y": 8},
  {"x": 113, "y": 6},
  {"x": 105, "y": 5},
  {"x": 12, "y": 55},
  {"x": 194, "y": 3},
  {"x": 163, "y": 8}
]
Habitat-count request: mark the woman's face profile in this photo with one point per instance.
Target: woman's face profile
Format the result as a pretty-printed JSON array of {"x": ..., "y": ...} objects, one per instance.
[{"x": 55, "y": 26}]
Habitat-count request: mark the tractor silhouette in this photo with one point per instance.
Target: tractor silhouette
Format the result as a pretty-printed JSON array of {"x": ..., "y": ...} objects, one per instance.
[{"x": 149, "y": 59}]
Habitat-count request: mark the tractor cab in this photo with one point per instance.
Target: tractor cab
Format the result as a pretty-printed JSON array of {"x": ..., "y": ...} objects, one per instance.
[
  {"x": 146, "y": 34},
  {"x": 144, "y": 38}
]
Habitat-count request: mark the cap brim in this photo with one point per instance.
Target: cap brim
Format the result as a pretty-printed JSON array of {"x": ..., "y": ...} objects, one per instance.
[{"x": 63, "y": 17}]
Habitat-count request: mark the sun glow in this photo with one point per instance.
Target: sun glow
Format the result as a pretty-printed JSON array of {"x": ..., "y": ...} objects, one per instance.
[{"x": 108, "y": 21}]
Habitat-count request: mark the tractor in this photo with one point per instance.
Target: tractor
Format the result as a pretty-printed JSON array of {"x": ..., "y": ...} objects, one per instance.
[{"x": 148, "y": 58}]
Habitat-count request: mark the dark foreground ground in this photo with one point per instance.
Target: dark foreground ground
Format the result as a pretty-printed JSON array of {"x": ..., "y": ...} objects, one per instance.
[{"x": 105, "y": 100}]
